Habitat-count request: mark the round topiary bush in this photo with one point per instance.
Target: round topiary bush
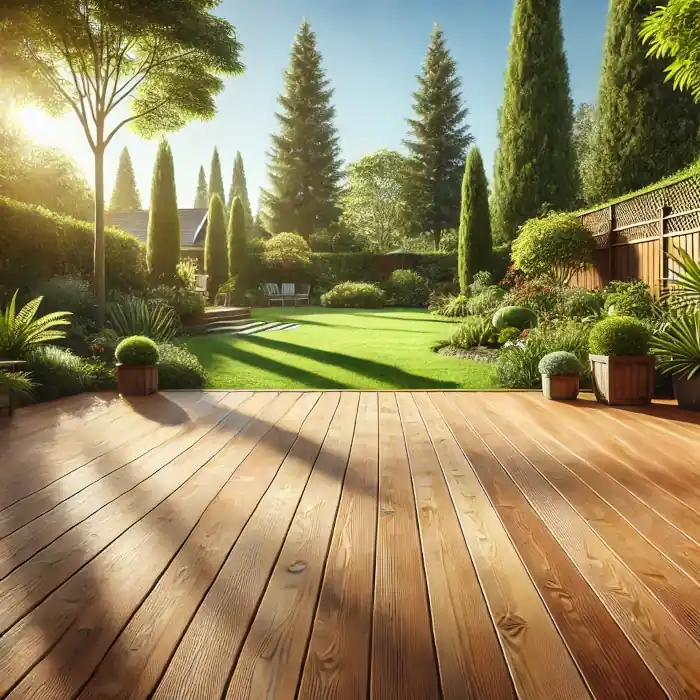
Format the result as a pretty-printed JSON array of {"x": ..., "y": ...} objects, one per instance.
[
  {"x": 137, "y": 350},
  {"x": 560, "y": 364},
  {"x": 514, "y": 317},
  {"x": 619, "y": 335},
  {"x": 354, "y": 295}
]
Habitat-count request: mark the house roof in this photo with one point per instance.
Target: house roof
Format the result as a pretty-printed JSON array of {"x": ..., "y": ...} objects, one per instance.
[{"x": 193, "y": 225}]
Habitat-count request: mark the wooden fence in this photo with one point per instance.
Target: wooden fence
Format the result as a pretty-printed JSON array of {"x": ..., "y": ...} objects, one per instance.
[{"x": 633, "y": 236}]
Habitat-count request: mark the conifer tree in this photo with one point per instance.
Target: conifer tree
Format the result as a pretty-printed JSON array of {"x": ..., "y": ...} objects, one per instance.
[
  {"x": 475, "y": 242},
  {"x": 163, "y": 242},
  {"x": 215, "y": 248},
  {"x": 201, "y": 197},
  {"x": 305, "y": 167},
  {"x": 645, "y": 130},
  {"x": 535, "y": 164},
  {"x": 237, "y": 229},
  {"x": 239, "y": 188},
  {"x": 216, "y": 180},
  {"x": 438, "y": 140},
  {"x": 125, "y": 195}
]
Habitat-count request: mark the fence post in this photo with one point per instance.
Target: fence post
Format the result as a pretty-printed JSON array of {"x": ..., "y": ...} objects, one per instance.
[
  {"x": 663, "y": 261},
  {"x": 611, "y": 240}
]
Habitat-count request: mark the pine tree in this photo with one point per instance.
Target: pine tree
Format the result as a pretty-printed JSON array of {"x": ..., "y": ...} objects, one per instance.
[
  {"x": 216, "y": 181},
  {"x": 437, "y": 141},
  {"x": 239, "y": 188},
  {"x": 305, "y": 166},
  {"x": 163, "y": 243},
  {"x": 201, "y": 197},
  {"x": 215, "y": 248},
  {"x": 237, "y": 230},
  {"x": 535, "y": 163},
  {"x": 125, "y": 195},
  {"x": 475, "y": 242},
  {"x": 645, "y": 130}
]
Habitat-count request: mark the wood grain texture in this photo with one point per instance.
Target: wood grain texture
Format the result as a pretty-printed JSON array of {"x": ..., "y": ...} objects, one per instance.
[
  {"x": 337, "y": 662},
  {"x": 403, "y": 657}
]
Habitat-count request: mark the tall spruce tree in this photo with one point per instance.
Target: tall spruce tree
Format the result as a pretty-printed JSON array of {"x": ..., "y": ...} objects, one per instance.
[
  {"x": 125, "y": 196},
  {"x": 237, "y": 230},
  {"x": 475, "y": 241},
  {"x": 305, "y": 167},
  {"x": 215, "y": 248},
  {"x": 201, "y": 197},
  {"x": 536, "y": 163},
  {"x": 216, "y": 180},
  {"x": 438, "y": 139},
  {"x": 645, "y": 130},
  {"x": 163, "y": 243},
  {"x": 239, "y": 188}
]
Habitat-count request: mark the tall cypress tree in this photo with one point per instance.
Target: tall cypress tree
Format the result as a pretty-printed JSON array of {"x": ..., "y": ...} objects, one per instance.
[
  {"x": 535, "y": 163},
  {"x": 437, "y": 141},
  {"x": 305, "y": 166},
  {"x": 125, "y": 196},
  {"x": 201, "y": 197},
  {"x": 163, "y": 243},
  {"x": 237, "y": 228},
  {"x": 239, "y": 188},
  {"x": 215, "y": 248},
  {"x": 645, "y": 130},
  {"x": 475, "y": 242},
  {"x": 216, "y": 180}
]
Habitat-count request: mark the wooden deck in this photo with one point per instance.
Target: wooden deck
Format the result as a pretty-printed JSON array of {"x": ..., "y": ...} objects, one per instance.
[{"x": 394, "y": 546}]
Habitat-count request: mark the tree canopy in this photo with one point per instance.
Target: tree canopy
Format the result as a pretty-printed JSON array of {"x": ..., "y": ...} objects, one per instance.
[{"x": 125, "y": 195}]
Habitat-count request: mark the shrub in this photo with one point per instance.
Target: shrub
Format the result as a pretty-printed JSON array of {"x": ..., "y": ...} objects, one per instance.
[
  {"x": 500, "y": 261},
  {"x": 354, "y": 295},
  {"x": 134, "y": 316},
  {"x": 474, "y": 331},
  {"x": 187, "y": 273},
  {"x": 578, "y": 303},
  {"x": 555, "y": 246},
  {"x": 287, "y": 256},
  {"x": 629, "y": 299},
  {"x": 20, "y": 383},
  {"x": 58, "y": 372},
  {"x": 215, "y": 247},
  {"x": 71, "y": 294},
  {"x": 539, "y": 295},
  {"x": 514, "y": 317},
  {"x": 137, "y": 350},
  {"x": 186, "y": 302},
  {"x": 178, "y": 368},
  {"x": 509, "y": 335},
  {"x": 450, "y": 306},
  {"x": 407, "y": 288},
  {"x": 619, "y": 335},
  {"x": 485, "y": 302},
  {"x": 560, "y": 364}
]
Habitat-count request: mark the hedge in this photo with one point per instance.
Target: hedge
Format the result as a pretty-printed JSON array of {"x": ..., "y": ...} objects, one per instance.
[{"x": 37, "y": 244}]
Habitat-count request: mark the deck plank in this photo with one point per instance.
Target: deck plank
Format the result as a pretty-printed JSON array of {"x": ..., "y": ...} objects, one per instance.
[{"x": 337, "y": 663}]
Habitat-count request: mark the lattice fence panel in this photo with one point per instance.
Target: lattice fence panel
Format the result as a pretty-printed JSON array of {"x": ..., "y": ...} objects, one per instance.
[
  {"x": 637, "y": 233},
  {"x": 684, "y": 195},
  {"x": 686, "y": 222},
  {"x": 598, "y": 221},
  {"x": 602, "y": 241},
  {"x": 641, "y": 208}
]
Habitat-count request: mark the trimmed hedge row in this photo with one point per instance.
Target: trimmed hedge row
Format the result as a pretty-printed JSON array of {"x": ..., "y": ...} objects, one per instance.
[{"x": 36, "y": 244}]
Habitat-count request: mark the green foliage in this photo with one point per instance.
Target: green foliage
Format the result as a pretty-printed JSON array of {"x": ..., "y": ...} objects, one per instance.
[
  {"x": 137, "y": 350},
  {"x": 134, "y": 316},
  {"x": 629, "y": 299},
  {"x": 354, "y": 295},
  {"x": 541, "y": 296},
  {"x": 338, "y": 239},
  {"x": 619, "y": 335},
  {"x": 36, "y": 244},
  {"x": 216, "y": 179},
  {"x": 518, "y": 366},
  {"x": 215, "y": 248},
  {"x": 305, "y": 166},
  {"x": 163, "y": 247},
  {"x": 201, "y": 195},
  {"x": 287, "y": 257},
  {"x": 58, "y": 372},
  {"x": 684, "y": 288},
  {"x": 20, "y": 330},
  {"x": 475, "y": 242},
  {"x": 438, "y": 140},
  {"x": 535, "y": 164},
  {"x": 406, "y": 288},
  {"x": 580, "y": 304},
  {"x": 125, "y": 195},
  {"x": 186, "y": 302},
  {"x": 677, "y": 346},
  {"x": 514, "y": 317},
  {"x": 451, "y": 306},
  {"x": 70, "y": 294},
  {"x": 178, "y": 368},
  {"x": 555, "y": 246},
  {"x": 500, "y": 261},
  {"x": 236, "y": 235},
  {"x": 187, "y": 273},
  {"x": 473, "y": 331},
  {"x": 508, "y": 335},
  {"x": 584, "y": 129},
  {"x": 560, "y": 364},
  {"x": 20, "y": 383},
  {"x": 644, "y": 130},
  {"x": 239, "y": 188}
]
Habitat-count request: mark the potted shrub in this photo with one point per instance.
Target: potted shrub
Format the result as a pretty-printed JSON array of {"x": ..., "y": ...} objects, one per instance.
[
  {"x": 561, "y": 372},
  {"x": 137, "y": 366},
  {"x": 677, "y": 350},
  {"x": 621, "y": 368}
]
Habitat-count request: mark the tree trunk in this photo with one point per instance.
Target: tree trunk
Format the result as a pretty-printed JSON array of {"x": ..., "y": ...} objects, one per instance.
[
  {"x": 99, "y": 255},
  {"x": 437, "y": 235}
]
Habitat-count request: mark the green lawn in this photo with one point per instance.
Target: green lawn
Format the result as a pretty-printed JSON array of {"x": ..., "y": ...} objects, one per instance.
[{"x": 340, "y": 349}]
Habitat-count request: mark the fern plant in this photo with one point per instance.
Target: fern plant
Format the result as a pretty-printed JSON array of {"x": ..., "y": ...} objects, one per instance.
[
  {"x": 20, "y": 331},
  {"x": 134, "y": 316},
  {"x": 18, "y": 382}
]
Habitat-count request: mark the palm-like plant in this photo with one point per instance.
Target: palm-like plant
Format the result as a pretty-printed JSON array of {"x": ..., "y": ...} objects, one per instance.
[
  {"x": 684, "y": 289},
  {"x": 18, "y": 382},
  {"x": 20, "y": 331},
  {"x": 677, "y": 346},
  {"x": 135, "y": 316}
]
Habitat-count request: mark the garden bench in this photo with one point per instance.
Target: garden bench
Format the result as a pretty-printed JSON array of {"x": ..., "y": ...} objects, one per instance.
[
  {"x": 303, "y": 293},
  {"x": 272, "y": 293},
  {"x": 200, "y": 284}
]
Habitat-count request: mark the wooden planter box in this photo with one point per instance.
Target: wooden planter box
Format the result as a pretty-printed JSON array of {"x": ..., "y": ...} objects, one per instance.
[
  {"x": 560, "y": 388},
  {"x": 137, "y": 380},
  {"x": 623, "y": 380}
]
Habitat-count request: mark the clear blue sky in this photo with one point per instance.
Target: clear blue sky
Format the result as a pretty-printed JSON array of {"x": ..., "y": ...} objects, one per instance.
[{"x": 372, "y": 51}]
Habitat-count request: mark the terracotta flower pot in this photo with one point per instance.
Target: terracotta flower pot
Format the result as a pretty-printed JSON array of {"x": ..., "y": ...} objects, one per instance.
[
  {"x": 687, "y": 392},
  {"x": 560, "y": 388},
  {"x": 137, "y": 380},
  {"x": 623, "y": 380}
]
